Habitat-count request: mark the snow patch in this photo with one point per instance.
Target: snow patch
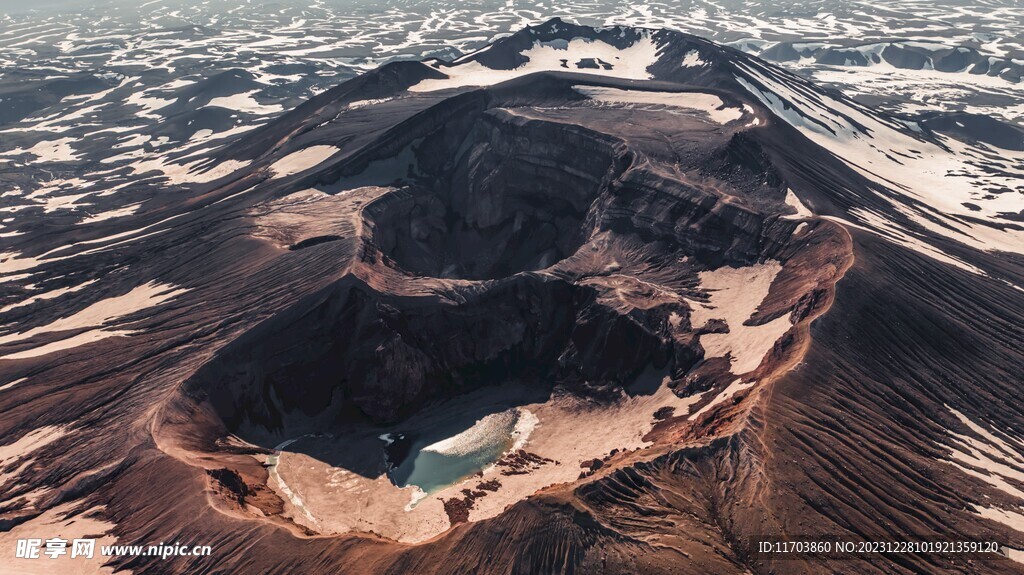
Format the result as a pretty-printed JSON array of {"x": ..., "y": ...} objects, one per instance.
[
  {"x": 734, "y": 296},
  {"x": 992, "y": 459},
  {"x": 692, "y": 60},
  {"x": 364, "y": 103},
  {"x": 245, "y": 102},
  {"x": 302, "y": 160},
  {"x": 98, "y": 315},
  {"x": 558, "y": 56},
  {"x": 59, "y": 150},
  {"x": 700, "y": 102},
  {"x": 52, "y": 294},
  {"x": 189, "y": 173},
  {"x": 109, "y": 215},
  {"x": 795, "y": 203}
]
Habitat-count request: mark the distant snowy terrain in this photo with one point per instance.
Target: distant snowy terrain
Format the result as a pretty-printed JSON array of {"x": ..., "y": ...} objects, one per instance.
[
  {"x": 911, "y": 55},
  {"x": 103, "y": 107}
]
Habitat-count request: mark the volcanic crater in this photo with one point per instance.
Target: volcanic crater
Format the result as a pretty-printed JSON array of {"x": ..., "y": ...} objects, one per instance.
[{"x": 600, "y": 275}]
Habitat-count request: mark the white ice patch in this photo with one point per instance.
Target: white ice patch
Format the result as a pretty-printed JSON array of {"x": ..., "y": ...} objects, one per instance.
[
  {"x": 692, "y": 60},
  {"x": 1012, "y": 519},
  {"x": 21, "y": 451},
  {"x": 988, "y": 457},
  {"x": 100, "y": 315},
  {"x": 794, "y": 202},
  {"x": 133, "y": 141},
  {"x": 364, "y": 103},
  {"x": 13, "y": 383},
  {"x": 190, "y": 173},
  {"x": 559, "y": 56},
  {"x": 245, "y": 102},
  {"x": 706, "y": 104},
  {"x": 109, "y": 215},
  {"x": 11, "y": 262},
  {"x": 302, "y": 160},
  {"x": 28, "y": 443},
  {"x": 487, "y": 431},
  {"x": 68, "y": 202},
  {"x": 416, "y": 496},
  {"x": 70, "y": 521},
  {"x": 734, "y": 296},
  {"x": 148, "y": 104},
  {"x": 525, "y": 424},
  {"x": 59, "y": 150},
  {"x": 74, "y": 341},
  {"x": 52, "y": 294},
  {"x": 995, "y": 459}
]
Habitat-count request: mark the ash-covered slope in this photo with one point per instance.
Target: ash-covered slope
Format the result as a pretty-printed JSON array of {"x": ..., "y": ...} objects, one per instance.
[{"x": 581, "y": 263}]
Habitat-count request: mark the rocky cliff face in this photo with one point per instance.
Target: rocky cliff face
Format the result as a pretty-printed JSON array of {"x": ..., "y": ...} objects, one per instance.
[{"x": 483, "y": 255}]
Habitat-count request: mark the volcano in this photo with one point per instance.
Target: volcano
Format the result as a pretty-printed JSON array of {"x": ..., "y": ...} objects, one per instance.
[{"x": 587, "y": 300}]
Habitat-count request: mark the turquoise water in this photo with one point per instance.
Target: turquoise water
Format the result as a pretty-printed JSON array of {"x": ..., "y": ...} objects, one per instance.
[{"x": 447, "y": 456}]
